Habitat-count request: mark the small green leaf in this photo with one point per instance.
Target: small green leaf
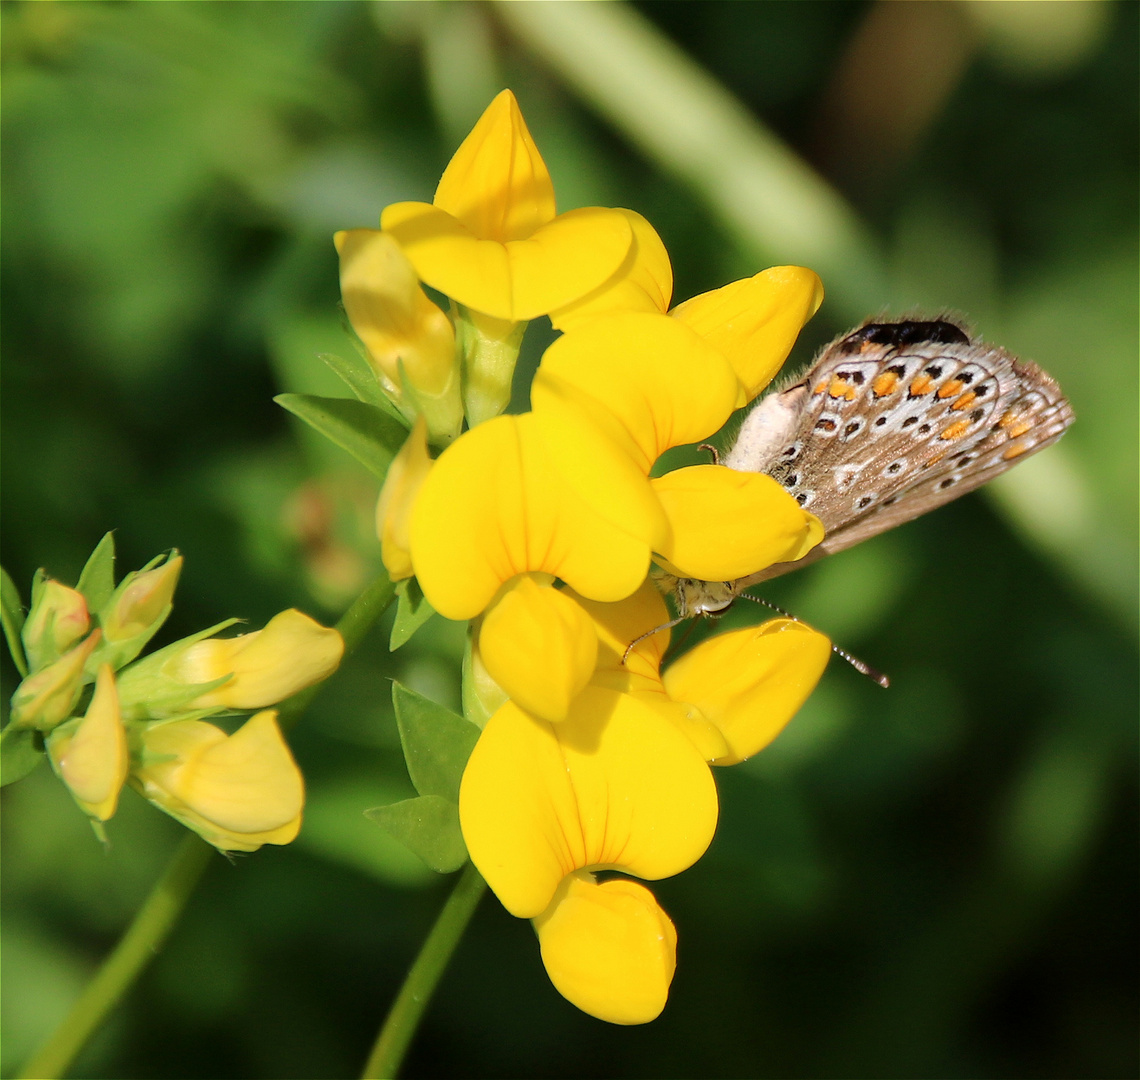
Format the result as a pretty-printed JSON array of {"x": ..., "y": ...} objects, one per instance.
[
  {"x": 429, "y": 826},
  {"x": 368, "y": 434},
  {"x": 97, "y": 582},
  {"x": 12, "y": 617},
  {"x": 20, "y": 753},
  {"x": 361, "y": 380},
  {"x": 412, "y": 611},
  {"x": 437, "y": 743}
]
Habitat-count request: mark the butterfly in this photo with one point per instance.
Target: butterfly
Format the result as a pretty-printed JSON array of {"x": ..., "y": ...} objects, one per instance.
[{"x": 893, "y": 420}]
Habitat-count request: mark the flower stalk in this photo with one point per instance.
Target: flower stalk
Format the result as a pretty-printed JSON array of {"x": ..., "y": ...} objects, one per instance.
[{"x": 407, "y": 1010}]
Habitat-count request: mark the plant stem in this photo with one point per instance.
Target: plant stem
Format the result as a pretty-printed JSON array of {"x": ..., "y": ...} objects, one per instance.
[
  {"x": 148, "y": 931},
  {"x": 160, "y": 911},
  {"x": 423, "y": 977}
]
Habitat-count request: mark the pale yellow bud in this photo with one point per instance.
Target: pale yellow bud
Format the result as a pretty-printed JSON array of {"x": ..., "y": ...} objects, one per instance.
[
  {"x": 58, "y": 619},
  {"x": 292, "y": 652},
  {"x": 407, "y": 472},
  {"x": 90, "y": 754},
  {"x": 44, "y": 699},
  {"x": 236, "y": 791},
  {"x": 391, "y": 314},
  {"x": 141, "y": 602}
]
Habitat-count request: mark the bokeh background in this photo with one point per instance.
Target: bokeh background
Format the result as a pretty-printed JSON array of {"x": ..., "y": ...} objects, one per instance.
[{"x": 939, "y": 880}]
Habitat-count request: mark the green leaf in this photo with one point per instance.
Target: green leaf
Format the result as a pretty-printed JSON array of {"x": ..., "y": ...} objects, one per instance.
[
  {"x": 368, "y": 434},
  {"x": 21, "y": 752},
  {"x": 412, "y": 611},
  {"x": 362, "y": 381},
  {"x": 429, "y": 826},
  {"x": 12, "y": 616},
  {"x": 437, "y": 743},
  {"x": 97, "y": 582}
]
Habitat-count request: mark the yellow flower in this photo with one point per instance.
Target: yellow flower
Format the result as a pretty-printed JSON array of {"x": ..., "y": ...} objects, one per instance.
[
  {"x": 236, "y": 791},
  {"x": 405, "y": 476},
  {"x": 491, "y": 239},
  {"x": 646, "y": 383},
  {"x": 269, "y": 665},
  {"x": 493, "y": 508},
  {"x": 90, "y": 753},
  {"x": 409, "y": 341},
  {"x": 611, "y": 787}
]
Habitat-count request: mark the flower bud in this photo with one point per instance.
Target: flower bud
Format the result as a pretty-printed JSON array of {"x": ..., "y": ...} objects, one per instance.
[
  {"x": 409, "y": 340},
  {"x": 236, "y": 791},
  {"x": 291, "y": 653},
  {"x": 90, "y": 754},
  {"x": 58, "y": 619},
  {"x": 136, "y": 610},
  {"x": 45, "y": 698},
  {"x": 407, "y": 472}
]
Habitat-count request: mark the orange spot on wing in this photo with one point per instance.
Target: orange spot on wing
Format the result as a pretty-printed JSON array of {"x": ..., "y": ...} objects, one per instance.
[
  {"x": 921, "y": 385},
  {"x": 820, "y": 387},
  {"x": 956, "y": 430},
  {"x": 1016, "y": 450},
  {"x": 851, "y": 393},
  {"x": 885, "y": 384},
  {"x": 965, "y": 401},
  {"x": 1020, "y": 428},
  {"x": 838, "y": 388},
  {"x": 1008, "y": 417},
  {"x": 950, "y": 388},
  {"x": 933, "y": 461}
]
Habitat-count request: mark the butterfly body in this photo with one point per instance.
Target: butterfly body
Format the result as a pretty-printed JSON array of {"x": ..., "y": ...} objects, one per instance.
[{"x": 893, "y": 420}]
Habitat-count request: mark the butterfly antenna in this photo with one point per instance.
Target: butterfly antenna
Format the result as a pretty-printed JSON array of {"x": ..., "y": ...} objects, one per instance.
[
  {"x": 874, "y": 674},
  {"x": 648, "y": 634}
]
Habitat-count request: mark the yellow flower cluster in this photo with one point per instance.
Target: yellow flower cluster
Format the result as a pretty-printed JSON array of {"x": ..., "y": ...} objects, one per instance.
[
  {"x": 542, "y": 528},
  {"x": 143, "y": 723}
]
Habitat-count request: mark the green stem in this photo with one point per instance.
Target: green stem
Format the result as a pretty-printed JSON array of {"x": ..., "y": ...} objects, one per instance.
[
  {"x": 423, "y": 977},
  {"x": 156, "y": 918},
  {"x": 148, "y": 931}
]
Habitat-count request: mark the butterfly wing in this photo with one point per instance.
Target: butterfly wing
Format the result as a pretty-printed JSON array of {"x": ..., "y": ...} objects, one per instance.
[{"x": 886, "y": 431}]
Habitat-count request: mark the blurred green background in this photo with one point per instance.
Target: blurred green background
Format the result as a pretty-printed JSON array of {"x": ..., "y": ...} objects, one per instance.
[{"x": 939, "y": 880}]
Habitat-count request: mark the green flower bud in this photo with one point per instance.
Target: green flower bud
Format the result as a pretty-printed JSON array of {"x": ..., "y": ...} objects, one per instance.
[
  {"x": 46, "y": 697},
  {"x": 136, "y": 610},
  {"x": 58, "y": 620}
]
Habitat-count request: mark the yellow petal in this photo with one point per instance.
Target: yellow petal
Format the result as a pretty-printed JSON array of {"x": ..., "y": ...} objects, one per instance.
[
  {"x": 539, "y": 646},
  {"x": 626, "y": 623},
  {"x": 238, "y": 791},
  {"x": 646, "y": 380},
  {"x": 494, "y": 506},
  {"x": 497, "y": 184},
  {"x": 643, "y": 282},
  {"x": 269, "y": 665},
  {"x": 755, "y": 322},
  {"x": 609, "y": 948},
  {"x": 390, "y": 313},
  {"x": 91, "y": 757},
  {"x": 751, "y": 682},
  {"x": 521, "y": 279},
  {"x": 406, "y": 475},
  {"x": 728, "y": 524},
  {"x": 610, "y": 787}
]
